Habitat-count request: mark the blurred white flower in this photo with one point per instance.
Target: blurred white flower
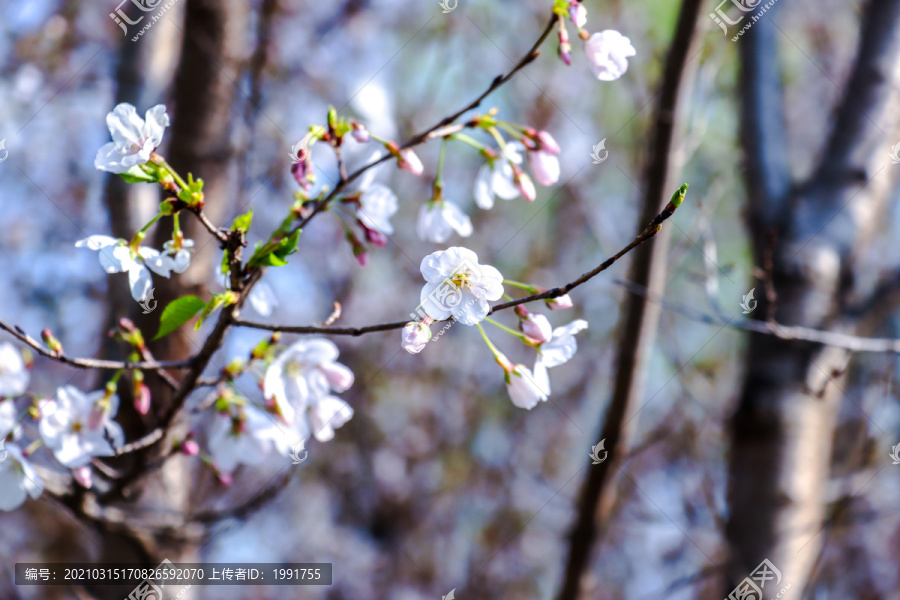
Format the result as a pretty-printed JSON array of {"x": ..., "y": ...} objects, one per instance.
[
  {"x": 78, "y": 426},
  {"x": 179, "y": 258},
  {"x": 377, "y": 205},
  {"x": 415, "y": 336},
  {"x": 247, "y": 438},
  {"x": 561, "y": 347},
  {"x": 608, "y": 53},
  {"x": 327, "y": 414},
  {"x": 13, "y": 372},
  {"x": 577, "y": 13},
  {"x": 438, "y": 220},
  {"x": 545, "y": 167},
  {"x": 302, "y": 374},
  {"x": 116, "y": 257},
  {"x": 497, "y": 179},
  {"x": 458, "y": 286},
  {"x": 522, "y": 388},
  {"x": 18, "y": 479},
  {"x": 134, "y": 138}
]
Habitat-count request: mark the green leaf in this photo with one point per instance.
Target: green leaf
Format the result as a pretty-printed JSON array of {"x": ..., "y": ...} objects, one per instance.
[
  {"x": 242, "y": 223},
  {"x": 137, "y": 175},
  {"x": 226, "y": 298},
  {"x": 276, "y": 257},
  {"x": 177, "y": 313}
]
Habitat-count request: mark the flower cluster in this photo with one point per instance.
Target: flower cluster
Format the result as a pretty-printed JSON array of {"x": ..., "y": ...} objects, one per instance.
[
  {"x": 607, "y": 51},
  {"x": 298, "y": 387},
  {"x": 75, "y": 427}
]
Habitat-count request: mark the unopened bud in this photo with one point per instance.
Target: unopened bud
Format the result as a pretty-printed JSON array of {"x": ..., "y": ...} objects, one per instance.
[{"x": 51, "y": 341}]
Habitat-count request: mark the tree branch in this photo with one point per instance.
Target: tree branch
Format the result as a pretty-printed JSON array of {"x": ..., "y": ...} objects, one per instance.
[
  {"x": 648, "y": 233},
  {"x": 93, "y": 363}
]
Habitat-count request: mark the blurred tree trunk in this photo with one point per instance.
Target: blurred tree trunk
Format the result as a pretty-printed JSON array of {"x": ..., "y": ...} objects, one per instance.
[
  {"x": 198, "y": 142},
  {"x": 783, "y": 428},
  {"x": 637, "y": 333}
]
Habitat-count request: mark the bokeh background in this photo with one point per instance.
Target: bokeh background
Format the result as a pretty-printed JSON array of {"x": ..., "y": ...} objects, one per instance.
[{"x": 439, "y": 482}]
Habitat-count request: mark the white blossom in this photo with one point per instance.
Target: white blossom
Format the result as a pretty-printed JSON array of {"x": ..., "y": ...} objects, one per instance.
[
  {"x": 377, "y": 205},
  {"x": 558, "y": 350},
  {"x": 18, "y": 480},
  {"x": 438, "y": 220},
  {"x": 545, "y": 167},
  {"x": 458, "y": 286},
  {"x": 497, "y": 179},
  {"x": 304, "y": 373},
  {"x": 327, "y": 414},
  {"x": 608, "y": 53},
  {"x": 522, "y": 388},
  {"x": 415, "y": 336},
  {"x": 13, "y": 372},
  {"x": 134, "y": 138},
  {"x": 179, "y": 258},
  {"x": 247, "y": 437},
  {"x": 410, "y": 161},
  {"x": 117, "y": 257},
  {"x": 537, "y": 327},
  {"x": 78, "y": 426}
]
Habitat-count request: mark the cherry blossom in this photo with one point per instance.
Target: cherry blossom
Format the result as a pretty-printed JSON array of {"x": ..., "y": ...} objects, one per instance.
[
  {"x": 327, "y": 414},
  {"x": 13, "y": 372},
  {"x": 246, "y": 437},
  {"x": 18, "y": 480},
  {"x": 578, "y": 14},
  {"x": 409, "y": 161},
  {"x": 439, "y": 219},
  {"x": 377, "y": 205},
  {"x": 608, "y": 53},
  {"x": 179, "y": 257},
  {"x": 559, "y": 349},
  {"x": 545, "y": 167},
  {"x": 415, "y": 336},
  {"x": 497, "y": 179},
  {"x": 134, "y": 139},
  {"x": 78, "y": 426},
  {"x": 560, "y": 302},
  {"x": 304, "y": 373},
  {"x": 522, "y": 388},
  {"x": 458, "y": 286},
  {"x": 536, "y": 327},
  {"x": 117, "y": 257}
]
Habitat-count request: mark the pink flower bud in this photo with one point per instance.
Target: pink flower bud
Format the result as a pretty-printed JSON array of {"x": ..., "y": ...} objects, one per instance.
[
  {"x": 414, "y": 337},
  {"x": 565, "y": 48},
  {"x": 142, "y": 399},
  {"x": 545, "y": 167},
  {"x": 578, "y": 14},
  {"x": 83, "y": 476},
  {"x": 409, "y": 161},
  {"x": 360, "y": 133},
  {"x": 190, "y": 448},
  {"x": 362, "y": 258},
  {"x": 536, "y": 327},
  {"x": 303, "y": 171},
  {"x": 224, "y": 478},
  {"x": 524, "y": 184},
  {"x": 374, "y": 237},
  {"x": 561, "y": 302},
  {"x": 546, "y": 142}
]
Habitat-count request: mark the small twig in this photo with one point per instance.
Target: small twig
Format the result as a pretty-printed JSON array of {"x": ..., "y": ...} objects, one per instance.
[
  {"x": 210, "y": 226},
  {"x": 93, "y": 363}
]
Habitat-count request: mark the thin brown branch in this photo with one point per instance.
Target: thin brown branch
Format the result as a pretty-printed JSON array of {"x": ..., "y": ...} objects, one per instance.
[
  {"x": 210, "y": 226},
  {"x": 441, "y": 126},
  {"x": 92, "y": 363},
  {"x": 647, "y": 234}
]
